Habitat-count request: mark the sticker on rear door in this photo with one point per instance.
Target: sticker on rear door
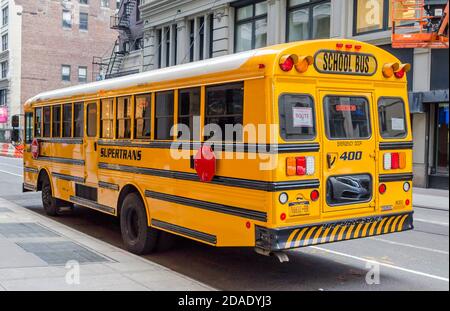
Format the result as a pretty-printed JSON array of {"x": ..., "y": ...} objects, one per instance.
[{"x": 302, "y": 116}]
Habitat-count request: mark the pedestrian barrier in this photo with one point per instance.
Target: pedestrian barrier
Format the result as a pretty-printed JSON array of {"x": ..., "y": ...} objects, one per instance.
[{"x": 9, "y": 150}]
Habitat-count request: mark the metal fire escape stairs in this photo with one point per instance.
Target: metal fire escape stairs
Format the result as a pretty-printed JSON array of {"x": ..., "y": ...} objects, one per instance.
[{"x": 419, "y": 24}]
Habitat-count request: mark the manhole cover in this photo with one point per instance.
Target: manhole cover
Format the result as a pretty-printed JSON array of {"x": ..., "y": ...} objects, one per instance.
[
  {"x": 59, "y": 253},
  {"x": 25, "y": 230}
]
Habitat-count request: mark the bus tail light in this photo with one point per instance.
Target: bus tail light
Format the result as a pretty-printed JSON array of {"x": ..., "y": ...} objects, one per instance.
[
  {"x": 303, "y": 63},
  {"x": 394, "y": 160},
  {"x": 287, "y": 62},
  {"x": 389, "y": 69},
  {"x": 314, "y": 195},
  {"x": 382, "y": 188},
  {"x": 300, "y": 166}
]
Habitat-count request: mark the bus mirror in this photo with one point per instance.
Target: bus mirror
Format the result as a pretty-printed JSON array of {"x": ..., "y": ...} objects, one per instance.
[{"x": 389, "y": 69}]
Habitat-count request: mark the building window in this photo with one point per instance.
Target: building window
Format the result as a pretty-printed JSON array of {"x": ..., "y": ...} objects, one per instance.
[
  {"x": 159, "y": 36},
  {"x": 84, "y": 21},
  {"x": 78, "y": 120},
  {"x": 84, "y": 2},
  {"x": 191, "y": 39},
  {"x": 143, "y": 116},
  {"x": 123, "y": 117},
  {"x": 4, "y": 42},
  {"x": 163, "y": 115},
  {"x": 107, "y": 118},
  {"x": 65, "y": 72},
  {"x": 3, "y": 94},
  {"x": 67, "y": 120},
  {"x": 211, "y": 35},
  {"x": 82, "y": 74},
  {"x": 5, "y": 16},
  {"x": 139, "y": 44},
  {"x": 188, "y": 108},
  {"x": 47, "y": 121},
  {"x": 308, "y": 19},
  {"x": 66, "y": 19},
  {"x": 201, "y": 38},
  {"x": 56, "y": 127},
  {"x": 167, "y": 46},
  {"x": 138, "y": 11},
  {"x": 251, "y": 27},
  {"x": 104, "y": 3},
  {"x": 372, "y": 16},
  {"x": 175, "y": 43},
  {"x": 4, "y": 69},
  {"x": 224, "y": 108}
]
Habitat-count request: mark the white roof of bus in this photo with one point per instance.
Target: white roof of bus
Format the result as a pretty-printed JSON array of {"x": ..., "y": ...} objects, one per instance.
[{"x": 209, "y": 66}]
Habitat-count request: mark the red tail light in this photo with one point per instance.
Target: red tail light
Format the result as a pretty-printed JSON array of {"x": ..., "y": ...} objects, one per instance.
[
  {"x": 399, "y": 74},
  {"x": 348, "y": 46},
  {"x": 339, "y": 45},
  {"x": 395, "y": 161},
  {"x": 314, "y": 195},
  {"x": 301, "y": 166},
  {"x": 283, "y": 216},
  {"x": 382, "y": 188}
]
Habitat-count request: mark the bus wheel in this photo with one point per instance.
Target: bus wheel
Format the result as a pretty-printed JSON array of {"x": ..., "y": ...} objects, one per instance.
[
  {"x": 48, "y": 201},
  {"x": 137, "y": 236}
]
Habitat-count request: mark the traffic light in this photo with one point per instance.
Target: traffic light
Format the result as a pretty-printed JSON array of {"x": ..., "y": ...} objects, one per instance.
[{"x": 15, "y": 121}]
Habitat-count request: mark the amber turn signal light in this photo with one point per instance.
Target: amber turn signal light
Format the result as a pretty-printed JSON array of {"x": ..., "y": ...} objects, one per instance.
[
  {"x": 389, "y": 69},
  {"x": 303, "y": 63}
]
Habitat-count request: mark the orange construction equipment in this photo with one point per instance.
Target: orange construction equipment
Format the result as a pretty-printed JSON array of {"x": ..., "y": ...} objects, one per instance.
[{"x": 416, "y": 24}]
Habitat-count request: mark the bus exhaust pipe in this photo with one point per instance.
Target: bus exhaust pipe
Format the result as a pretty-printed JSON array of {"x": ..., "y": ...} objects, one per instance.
[{"x": 281, "y": 256}]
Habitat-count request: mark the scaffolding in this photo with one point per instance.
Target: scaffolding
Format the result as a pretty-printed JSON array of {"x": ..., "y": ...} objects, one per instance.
[{"x": 419, "y": 24}]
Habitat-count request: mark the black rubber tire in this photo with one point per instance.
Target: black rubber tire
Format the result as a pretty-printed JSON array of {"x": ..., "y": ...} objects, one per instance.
[
  {"x": 48, "y": 201},
  {"x": 137, "y": 236}
]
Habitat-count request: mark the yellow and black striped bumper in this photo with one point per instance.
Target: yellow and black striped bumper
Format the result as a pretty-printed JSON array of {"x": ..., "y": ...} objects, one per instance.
[{"x": 293, "y": 237}]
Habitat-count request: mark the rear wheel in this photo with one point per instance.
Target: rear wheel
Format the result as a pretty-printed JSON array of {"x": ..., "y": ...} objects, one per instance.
[
  {"x": 137, "y": 236},
  {"x": 48, "y": 201}
]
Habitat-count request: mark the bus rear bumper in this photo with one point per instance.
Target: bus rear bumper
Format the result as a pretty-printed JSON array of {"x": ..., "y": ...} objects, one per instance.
[{"x": 271, "y": 240}]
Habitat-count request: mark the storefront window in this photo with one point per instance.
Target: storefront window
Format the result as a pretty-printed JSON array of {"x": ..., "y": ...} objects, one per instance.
[
  {"x": 251, "y": 27},
  {"x": 308, "y": 19},
  {"x": 442, "y": 140}
]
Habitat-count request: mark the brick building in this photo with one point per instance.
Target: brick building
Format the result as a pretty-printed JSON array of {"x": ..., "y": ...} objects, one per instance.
[{"x": 49, "y": 44}]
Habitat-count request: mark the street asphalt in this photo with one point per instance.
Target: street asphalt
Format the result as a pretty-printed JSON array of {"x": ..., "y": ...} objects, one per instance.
[{"x": 413, "y": 260}]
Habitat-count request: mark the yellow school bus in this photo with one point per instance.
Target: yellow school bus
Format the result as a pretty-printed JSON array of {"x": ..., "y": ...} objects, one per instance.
[{"x": 282, "y": 147}]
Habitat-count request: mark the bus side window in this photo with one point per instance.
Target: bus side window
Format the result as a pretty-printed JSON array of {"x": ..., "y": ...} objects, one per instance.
[
  {"x": 91, "y": 125},
  {"x": 123, "y": 117},
  {"x": 297, "y": 117},
  {"x": 392, "y": 118},
  {"x": 143, "y": 112},
  {"x": 38, "y": 122},
  {"x": 78, "y": 120},
  {"x": 28, "y": 127},
  {"x": 107, "y": 118},
  {"x": 224, "y": 106},
  {"x": 56, "y": 127},
  {"x": 47, "y": 121},
  {"x": 67, "y": 120},
  {"x": 163, "y": 115},
  {"x": 188, "y": 108}
]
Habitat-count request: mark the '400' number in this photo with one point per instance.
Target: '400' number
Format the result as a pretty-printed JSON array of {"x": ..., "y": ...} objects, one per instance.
[{"x": 351, "y": 156}]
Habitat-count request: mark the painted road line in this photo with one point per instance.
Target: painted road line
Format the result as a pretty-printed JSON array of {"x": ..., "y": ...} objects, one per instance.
[
  {"x": 436, "y": 277},
  {"x": 18, "y": 175},
  {"x": 431, "y": 222},
  {"x": 411, "y": 246}
]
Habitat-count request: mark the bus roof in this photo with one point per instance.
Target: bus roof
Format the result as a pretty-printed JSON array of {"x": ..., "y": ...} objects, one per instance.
[{"x": 189, "y": 70}]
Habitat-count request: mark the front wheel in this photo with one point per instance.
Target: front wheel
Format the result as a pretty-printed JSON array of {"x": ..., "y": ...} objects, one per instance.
[{"x": 137, "y": 236}]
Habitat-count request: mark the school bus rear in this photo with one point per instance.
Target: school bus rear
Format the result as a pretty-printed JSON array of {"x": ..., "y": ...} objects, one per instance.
[{"x": 342, "y": 106}]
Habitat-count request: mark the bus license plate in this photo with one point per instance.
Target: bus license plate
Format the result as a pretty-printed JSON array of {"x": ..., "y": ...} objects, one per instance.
[{"x": 299, "y": 208}]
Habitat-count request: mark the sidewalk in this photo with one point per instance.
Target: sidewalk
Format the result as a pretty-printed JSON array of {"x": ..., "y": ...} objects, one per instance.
[
  {"x": 35, "y": 250},
  {"x": 430, "y": 198}
]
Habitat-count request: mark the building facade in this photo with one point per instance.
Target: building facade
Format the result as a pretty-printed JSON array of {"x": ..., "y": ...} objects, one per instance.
[
  {"x": 49, "y": 44},
  {"x": 180, "y": 31}
]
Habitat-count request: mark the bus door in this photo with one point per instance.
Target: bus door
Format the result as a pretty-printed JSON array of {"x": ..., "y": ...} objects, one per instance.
[
  {"x": 90, "y": 143},
  {"x": 349, "y": 150}
]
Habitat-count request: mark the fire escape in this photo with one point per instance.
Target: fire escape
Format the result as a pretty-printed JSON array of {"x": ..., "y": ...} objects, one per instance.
[
  {"x": 417, "y": 24},
  {"x": 121, "y": 22}
]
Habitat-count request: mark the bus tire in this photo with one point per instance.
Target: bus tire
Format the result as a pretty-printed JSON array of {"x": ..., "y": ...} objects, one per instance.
[
  {"x": 137, "y": 236},
  {"x": 48, "y": 201}
]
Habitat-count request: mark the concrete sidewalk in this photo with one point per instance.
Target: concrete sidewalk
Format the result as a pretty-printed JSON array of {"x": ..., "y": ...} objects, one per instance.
[
  {"x": 431, "y": 198},
  {"x": 37, "y": 253}
]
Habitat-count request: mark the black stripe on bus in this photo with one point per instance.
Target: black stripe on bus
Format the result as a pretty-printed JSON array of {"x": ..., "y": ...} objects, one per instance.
[
  {"x": 92, "y": 204},
  {"x": 396, "y": 145},
  {"x": 231, "y": 147},
  {"x": 61, "y": 160},
  {"x": 209, "y": 238},
  {"x": 215, "y": 207},
  {"x": 218, "y": 180},
  {"x": 68, "y": 141},
  {"x": 107, "y": 185},
  {"x": 68, "y": 177},
  {"x": 395, "y": 177},
  {"x": 31, "y": 169}
]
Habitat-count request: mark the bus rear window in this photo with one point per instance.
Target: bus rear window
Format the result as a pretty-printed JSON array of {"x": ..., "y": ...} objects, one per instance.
[
  {"x": 391, "y": 117},
  {"x": 347, "y": 117},
  {"x": 296, "y": 117}
]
